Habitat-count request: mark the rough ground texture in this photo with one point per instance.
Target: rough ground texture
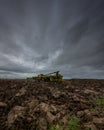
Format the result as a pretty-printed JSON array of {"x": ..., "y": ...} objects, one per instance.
[{"x": 31, "y": 105}]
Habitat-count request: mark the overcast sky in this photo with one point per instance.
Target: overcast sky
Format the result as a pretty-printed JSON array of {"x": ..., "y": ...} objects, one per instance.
[{"x": 41, "y": 36}]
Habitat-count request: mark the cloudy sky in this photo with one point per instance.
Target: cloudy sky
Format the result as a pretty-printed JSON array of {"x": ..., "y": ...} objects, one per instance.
[{"x": 41, "y": 36}]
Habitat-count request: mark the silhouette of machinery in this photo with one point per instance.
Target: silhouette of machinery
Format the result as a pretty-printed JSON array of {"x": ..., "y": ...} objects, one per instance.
[{"x": 55, "y": 76}]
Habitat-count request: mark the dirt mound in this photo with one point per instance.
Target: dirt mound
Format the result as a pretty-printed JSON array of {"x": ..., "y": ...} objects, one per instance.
[{"x": 31, "y": 105}]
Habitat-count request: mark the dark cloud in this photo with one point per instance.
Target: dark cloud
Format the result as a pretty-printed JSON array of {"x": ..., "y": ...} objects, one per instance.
[{"x": 42, "y": 36}]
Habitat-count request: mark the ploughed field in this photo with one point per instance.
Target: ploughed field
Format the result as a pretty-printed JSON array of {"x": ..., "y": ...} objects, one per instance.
[{"x": 76, "y": 104}]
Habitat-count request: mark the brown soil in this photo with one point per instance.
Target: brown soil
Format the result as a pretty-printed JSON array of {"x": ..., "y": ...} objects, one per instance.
[{"x": 31, "y": 105}]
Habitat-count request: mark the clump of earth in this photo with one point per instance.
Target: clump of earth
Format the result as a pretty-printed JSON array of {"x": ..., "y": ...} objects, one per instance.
[{"x": 32, "y": 105}]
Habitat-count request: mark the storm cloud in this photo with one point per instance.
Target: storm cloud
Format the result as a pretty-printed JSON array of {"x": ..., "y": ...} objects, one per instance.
[{"x": 40, "y": 36}]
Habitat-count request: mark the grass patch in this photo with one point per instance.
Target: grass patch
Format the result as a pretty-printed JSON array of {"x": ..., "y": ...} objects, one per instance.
[
  {"x": 100, "y": 101},
  {"x": 73, "y": 124},
  {"x": 55, "y": 127}
]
